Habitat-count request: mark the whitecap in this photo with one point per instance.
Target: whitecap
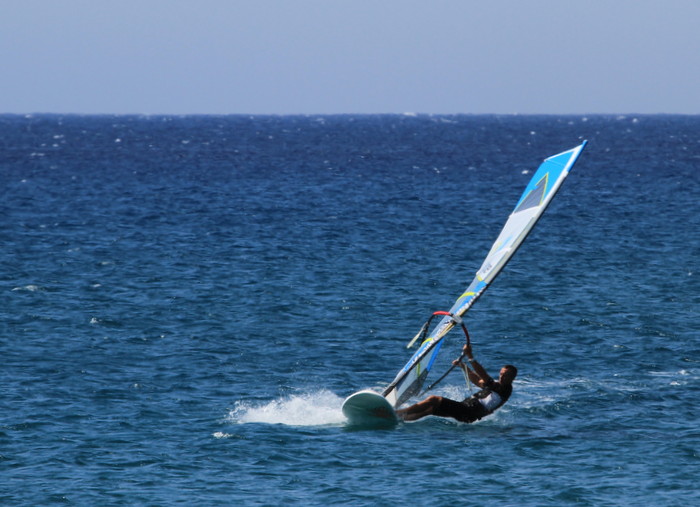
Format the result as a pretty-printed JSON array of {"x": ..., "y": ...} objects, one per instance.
[{"x": 28, "y": 288}]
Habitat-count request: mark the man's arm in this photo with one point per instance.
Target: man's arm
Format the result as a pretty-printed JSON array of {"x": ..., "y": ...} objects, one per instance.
[
  {"x": 473, "y": 377},
  {"x": 482, "y": 378}
]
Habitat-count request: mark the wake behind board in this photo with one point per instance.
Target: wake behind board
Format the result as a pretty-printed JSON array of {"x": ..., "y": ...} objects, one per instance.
[{"x": 367, "y": 408}]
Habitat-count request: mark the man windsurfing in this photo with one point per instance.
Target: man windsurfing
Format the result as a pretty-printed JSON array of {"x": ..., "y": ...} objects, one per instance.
[{"x": 492, "y": 395}]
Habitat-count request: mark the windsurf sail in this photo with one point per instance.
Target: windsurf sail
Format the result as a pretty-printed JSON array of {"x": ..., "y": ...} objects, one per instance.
[{"x": 533, "y": 202}]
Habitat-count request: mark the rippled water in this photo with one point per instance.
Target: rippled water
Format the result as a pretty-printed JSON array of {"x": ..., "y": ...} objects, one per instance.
[{"x": 186, "y": 301}]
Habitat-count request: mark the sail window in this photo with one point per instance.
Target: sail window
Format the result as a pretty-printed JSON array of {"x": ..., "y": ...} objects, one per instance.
[{"x": 535, "y": 197}]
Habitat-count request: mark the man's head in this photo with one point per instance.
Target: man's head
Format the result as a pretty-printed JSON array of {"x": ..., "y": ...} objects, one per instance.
[{"x": 508, "y": 374}]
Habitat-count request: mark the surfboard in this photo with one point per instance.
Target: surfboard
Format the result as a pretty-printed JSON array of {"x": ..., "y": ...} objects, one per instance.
[{"x": 369, "y": 409}]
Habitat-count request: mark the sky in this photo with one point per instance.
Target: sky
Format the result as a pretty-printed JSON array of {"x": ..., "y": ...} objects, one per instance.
[{"x": 350, "y": 56}]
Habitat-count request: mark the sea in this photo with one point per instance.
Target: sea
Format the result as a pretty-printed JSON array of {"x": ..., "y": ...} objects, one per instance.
[{"x": 186, "y": 301}]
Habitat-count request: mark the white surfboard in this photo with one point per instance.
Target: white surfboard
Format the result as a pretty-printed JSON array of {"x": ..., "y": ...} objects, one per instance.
[{"x": 367, "y": 408}]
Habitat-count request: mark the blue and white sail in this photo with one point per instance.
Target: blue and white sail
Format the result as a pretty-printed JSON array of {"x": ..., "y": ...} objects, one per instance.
[{"x": 533, "y": 202}]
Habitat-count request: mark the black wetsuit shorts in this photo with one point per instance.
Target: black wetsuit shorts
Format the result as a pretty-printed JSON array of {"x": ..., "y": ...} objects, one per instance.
[{"x": 468, "y": 411}]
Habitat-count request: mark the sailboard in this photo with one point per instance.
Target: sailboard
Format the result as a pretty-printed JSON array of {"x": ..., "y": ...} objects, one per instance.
[
  {"x": 369, "y": 410},
  {"x": 539, "y": 192}
]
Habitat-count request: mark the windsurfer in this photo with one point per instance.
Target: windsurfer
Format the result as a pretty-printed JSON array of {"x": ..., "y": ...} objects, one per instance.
[{"x": 493, "y": 394}]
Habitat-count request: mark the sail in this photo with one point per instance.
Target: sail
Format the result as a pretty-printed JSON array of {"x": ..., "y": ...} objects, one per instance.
[{"x": 533, "y": 202}]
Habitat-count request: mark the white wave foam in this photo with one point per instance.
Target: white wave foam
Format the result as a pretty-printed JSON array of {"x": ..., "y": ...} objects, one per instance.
[
  {"x": 28, "y": 288},
  {"x": 313, "y": 409},
  {"x": 676, "y": 378}
]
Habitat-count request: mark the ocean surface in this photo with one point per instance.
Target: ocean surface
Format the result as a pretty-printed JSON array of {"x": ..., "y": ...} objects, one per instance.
[{"x": 186, "y": 301}]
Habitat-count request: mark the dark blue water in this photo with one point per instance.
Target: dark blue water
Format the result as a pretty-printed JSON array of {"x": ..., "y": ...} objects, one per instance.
[{"x": 186, "y": 301}]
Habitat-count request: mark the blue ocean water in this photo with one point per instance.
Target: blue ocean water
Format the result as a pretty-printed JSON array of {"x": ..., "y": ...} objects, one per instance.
[{"x": 186, "y": 301}]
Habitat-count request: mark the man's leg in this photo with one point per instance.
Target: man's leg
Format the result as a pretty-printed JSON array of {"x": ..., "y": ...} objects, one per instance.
[{"x": 421, "y": 409}]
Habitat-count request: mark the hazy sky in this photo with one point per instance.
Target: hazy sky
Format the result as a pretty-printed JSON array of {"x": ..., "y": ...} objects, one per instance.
[{"x": 349, "y": 56}]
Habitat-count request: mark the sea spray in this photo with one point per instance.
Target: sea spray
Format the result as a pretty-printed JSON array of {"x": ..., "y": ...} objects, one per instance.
[{"x": 317, "y": 408}]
